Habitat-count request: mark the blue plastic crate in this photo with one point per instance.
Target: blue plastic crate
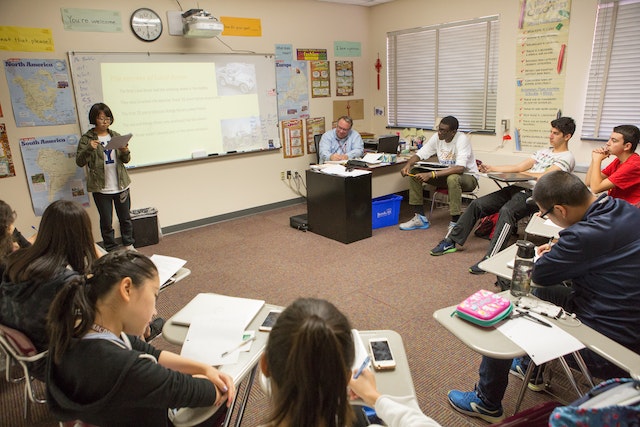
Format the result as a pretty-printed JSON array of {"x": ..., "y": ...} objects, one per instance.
[{"x": 385, "y": 211}]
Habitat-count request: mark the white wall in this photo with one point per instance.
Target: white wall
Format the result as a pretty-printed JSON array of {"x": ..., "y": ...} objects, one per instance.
[
  {"x": 201, "y": 189},
  {"x": 402, "y": 14}
]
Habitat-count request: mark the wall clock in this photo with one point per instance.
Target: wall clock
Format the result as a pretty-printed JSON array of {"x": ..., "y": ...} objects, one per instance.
[{"x": 146, "y": 24}]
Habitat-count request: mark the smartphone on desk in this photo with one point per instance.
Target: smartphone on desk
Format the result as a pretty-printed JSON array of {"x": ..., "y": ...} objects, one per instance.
[
  {"x": 270, "y": 320},
  {"x": 382, "y": 357}
]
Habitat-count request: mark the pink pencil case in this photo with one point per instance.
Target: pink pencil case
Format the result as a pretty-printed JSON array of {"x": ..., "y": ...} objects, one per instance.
[{"x": 484, "y": 308}]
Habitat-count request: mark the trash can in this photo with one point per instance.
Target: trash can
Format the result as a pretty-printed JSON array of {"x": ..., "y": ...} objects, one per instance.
[{"x": 145, "y": 227}]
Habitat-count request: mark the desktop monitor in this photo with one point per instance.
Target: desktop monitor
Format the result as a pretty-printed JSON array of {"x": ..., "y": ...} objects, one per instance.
[{"x": 388, "y": 144}]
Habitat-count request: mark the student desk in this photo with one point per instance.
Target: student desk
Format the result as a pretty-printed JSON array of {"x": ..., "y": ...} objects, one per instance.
[
  {"x": 397, "y": 382},
  {"x": 492, "y": 343},
  {"x": 497, "y": 264},
  {"x": 539, "y": 227},
  {"x": 246, "y": 366}
]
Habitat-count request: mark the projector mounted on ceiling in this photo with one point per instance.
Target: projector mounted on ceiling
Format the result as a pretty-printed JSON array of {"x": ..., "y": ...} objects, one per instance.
[{"x": 200, "y": 23}]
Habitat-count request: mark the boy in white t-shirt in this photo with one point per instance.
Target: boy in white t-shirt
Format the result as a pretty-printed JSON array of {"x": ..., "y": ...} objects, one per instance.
[{"x": 511, "y": 201}]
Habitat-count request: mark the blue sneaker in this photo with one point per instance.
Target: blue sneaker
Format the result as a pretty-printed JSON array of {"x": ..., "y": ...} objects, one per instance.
[
  {"x": 468, "y": 403},
  {"x": 446, "y": 246},
  {"x": 475, "y": 268},
  {"x": 519, "y": 369},
  {"x": 417, "y": 222}
]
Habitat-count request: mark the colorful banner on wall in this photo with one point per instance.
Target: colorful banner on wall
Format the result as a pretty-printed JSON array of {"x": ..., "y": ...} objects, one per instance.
[
  {"x": 320, "y": 79},
  {"x": 344, "y": 78},
  {"x": 292, "y": 138},
  {"x": 6, "y": 160},
  {"x": 540, "y": 73},
  {"x": 25, "y": 39}
]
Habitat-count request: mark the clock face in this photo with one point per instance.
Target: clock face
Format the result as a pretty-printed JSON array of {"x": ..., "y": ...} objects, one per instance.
[{"x": 146, "y": 24}]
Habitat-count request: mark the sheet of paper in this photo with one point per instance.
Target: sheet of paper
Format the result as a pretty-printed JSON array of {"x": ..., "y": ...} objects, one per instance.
[
  {"x": 340, "y": 170},
  {"x": 373, "y": 158},
  {"x": 118, "y": 141},
  {"x": 360, "y": 348},
  {"x": 551, "y": 224},
  {"x": 167, "y": 266},
  {"x": 208, "y": 338},
  {"x": 540, "y": 342}
]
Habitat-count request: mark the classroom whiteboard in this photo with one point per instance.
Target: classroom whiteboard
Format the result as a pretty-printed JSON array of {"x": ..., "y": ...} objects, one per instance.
[{"x": 181, "y": 106}]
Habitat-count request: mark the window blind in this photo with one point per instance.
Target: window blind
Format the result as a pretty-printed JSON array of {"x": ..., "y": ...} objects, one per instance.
[
  {"x": 613, "y": 90},
  {"x": 447, "y": 69}
]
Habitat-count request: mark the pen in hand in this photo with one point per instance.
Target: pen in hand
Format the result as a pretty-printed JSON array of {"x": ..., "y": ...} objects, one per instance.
[
  {"x": 362, "y": 367},
  {"x": 237, "y": 347}
]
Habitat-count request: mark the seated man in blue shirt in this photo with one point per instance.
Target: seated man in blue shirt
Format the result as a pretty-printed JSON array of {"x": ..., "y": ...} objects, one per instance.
[
  {"x": 341, "y": 143},
  {"x": 599, "y": 252}
]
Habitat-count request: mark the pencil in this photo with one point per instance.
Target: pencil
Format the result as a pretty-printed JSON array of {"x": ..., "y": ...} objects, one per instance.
[{"x": 231, "y": 350}]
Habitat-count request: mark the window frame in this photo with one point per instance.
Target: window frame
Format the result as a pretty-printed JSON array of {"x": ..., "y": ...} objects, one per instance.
[{"x": 425, "y": 63}]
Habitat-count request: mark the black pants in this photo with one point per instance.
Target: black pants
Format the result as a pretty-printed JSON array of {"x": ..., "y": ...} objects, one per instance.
[{"x": 122, "y": 202}]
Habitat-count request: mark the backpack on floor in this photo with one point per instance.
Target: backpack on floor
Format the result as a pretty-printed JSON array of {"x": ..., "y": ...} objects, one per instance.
[{"x": 487, "y": 226}]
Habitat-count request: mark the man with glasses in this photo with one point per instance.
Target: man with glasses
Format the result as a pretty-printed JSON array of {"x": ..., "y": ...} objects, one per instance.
[
  {"x": 598, "y": 252},
  {"x": 453, "y": 150},
  {"x": 341, "y": 143},
  {"x": 511, "y": 201}
]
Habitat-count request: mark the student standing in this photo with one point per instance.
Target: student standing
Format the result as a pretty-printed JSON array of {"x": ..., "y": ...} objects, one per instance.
[
  {"x": 107, "y": 178},
  {"x": 99, "y": 370},
  {"x": 621, "y": 178}
]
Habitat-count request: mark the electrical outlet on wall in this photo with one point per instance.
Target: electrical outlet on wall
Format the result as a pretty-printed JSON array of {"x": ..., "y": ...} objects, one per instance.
[{"x": 505, "y": 125}]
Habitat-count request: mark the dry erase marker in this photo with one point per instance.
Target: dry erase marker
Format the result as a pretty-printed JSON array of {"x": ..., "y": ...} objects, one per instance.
[{"x": 364, "y": 365}]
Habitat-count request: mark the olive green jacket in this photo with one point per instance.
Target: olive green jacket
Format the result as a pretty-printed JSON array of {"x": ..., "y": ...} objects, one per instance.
[{"x": 93, "y": 159}]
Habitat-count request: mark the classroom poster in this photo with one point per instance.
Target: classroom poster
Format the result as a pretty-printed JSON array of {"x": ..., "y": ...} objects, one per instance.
[
  {"x": 313, "y": 126},
  {"x": 542, "y": 47},
  {"x": 52, "y": 173},
  {"x": 6, "y": 160},
  {"x": 292, "y": 138},
  {"x": 320, "y": 79},
  {"x": 293, "y": 89},
  {"x": 26, "y": 39},
  {"x": 344, "y": 78}
]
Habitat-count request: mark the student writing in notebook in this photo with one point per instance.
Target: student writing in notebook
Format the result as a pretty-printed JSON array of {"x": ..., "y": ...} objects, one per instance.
[
  {"x": 100, "y": 371},
  {"x": 511, "y": 201},
  {"x": 598, "y": 252},
  {"x": 308, "y": 360}
]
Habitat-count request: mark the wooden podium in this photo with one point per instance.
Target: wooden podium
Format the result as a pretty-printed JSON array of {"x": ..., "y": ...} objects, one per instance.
[{"x": 339, "y": 207}]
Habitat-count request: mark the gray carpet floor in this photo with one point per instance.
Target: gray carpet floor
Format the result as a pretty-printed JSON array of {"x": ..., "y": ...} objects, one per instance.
[{"x": 388, "y": 281}]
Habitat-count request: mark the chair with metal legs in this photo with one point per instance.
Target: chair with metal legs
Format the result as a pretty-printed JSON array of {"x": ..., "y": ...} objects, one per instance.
[{"x": 20, "y": 351}]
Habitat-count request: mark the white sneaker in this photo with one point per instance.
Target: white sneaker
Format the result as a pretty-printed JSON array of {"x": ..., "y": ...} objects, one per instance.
[
  {"x": 130, "y": 248},
  {"x": 418, "y": 221}
]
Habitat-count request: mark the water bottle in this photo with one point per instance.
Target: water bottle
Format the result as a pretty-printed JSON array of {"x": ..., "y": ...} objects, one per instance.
[{"x": 522, "y": 268}]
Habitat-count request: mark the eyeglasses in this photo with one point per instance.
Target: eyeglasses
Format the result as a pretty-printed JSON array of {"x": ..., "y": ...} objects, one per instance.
[
  {"x": 104, "y": 119},
  {"x": 547, "y": 212}
]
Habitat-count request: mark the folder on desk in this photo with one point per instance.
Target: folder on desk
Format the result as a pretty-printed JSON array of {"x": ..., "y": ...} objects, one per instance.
[
  {"x": 220, "y": 305},
  {"x": 167, "y": 267}
]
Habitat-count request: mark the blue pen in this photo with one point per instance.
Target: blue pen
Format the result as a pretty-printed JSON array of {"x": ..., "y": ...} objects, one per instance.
[{"x": 364, "y": 365}]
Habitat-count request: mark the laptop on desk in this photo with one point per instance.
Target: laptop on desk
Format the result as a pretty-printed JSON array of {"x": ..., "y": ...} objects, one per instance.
[
  {"x": 431, "y": 165},
  {"x": 388, "y": 144},
  {"x": 510, "y": 176}
]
